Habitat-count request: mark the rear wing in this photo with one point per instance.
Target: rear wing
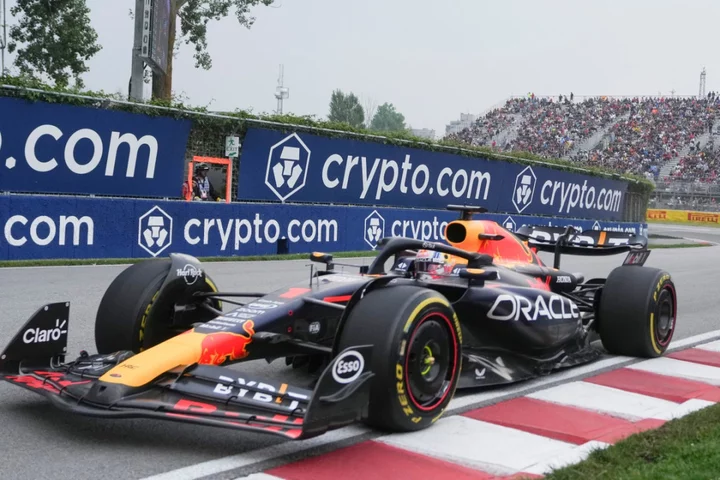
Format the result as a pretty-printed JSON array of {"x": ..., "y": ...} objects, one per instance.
[{"x": 572, "y": 241}]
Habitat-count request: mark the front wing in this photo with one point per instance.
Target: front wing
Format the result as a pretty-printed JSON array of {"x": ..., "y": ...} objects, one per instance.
[{"x": 200, "y": 394}]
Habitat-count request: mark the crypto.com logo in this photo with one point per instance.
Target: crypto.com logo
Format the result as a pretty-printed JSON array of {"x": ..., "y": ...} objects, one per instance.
[
  {"x": 510, "y": 224},
  {"x": 374, "y": 229},
  {"x": 524, "y": 189},
  {"x": 155, "y": 231},
  {"x": 287, "y": 166}
]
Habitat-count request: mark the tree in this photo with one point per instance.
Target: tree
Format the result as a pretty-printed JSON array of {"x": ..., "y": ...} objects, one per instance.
[
  {"x": 388, "y": 120},
  {"x": 55, "y": 39},
  {"x": 194, "y": 16},
  {"x": 370, "y": 106},
  {"x": 346, "y": 109}
]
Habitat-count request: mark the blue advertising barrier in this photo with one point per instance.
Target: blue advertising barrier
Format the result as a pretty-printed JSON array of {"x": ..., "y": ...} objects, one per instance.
[
  {"x": 301, "y": 167},
  {"x": 53, "y": 148},
  {"x": 41, "y": 227}
]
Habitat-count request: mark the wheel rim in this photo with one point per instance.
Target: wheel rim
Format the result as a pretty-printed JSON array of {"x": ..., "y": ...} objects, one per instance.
[
  {"x": 430, "y": 361},
  {"x": 665, "y": 316}
]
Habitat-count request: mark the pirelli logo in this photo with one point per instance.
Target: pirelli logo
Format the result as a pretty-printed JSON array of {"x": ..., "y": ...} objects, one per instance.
[
  {"x": 657, "y": 214},
  {"x": 703, "y": 217}
]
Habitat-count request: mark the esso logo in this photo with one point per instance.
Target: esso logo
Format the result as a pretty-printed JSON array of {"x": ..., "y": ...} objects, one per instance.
[{"x": 348, "y": 367}]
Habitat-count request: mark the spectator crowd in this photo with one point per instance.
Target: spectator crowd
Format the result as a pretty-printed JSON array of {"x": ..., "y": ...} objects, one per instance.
[{"x": 627, "y": 135}]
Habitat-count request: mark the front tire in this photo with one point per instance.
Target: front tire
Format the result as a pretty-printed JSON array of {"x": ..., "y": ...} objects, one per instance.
[
  {"x": 637, "y": 312},
  {"x": 123, "y": 320},
  {"x": 416, "y": 357}
]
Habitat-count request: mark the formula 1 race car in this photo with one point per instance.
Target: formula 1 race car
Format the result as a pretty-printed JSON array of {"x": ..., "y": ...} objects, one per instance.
[{"x": 392, "y": 346}]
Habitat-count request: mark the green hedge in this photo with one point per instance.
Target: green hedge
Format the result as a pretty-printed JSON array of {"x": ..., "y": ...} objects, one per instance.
[{"x": 208, "y": 124}]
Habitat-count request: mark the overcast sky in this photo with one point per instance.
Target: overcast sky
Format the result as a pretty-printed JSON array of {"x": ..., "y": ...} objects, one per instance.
[{"x": 433, "y": 59}]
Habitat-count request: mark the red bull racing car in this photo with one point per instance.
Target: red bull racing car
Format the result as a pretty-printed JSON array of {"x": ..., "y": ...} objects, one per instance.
[{"x": 391, "y": 347}]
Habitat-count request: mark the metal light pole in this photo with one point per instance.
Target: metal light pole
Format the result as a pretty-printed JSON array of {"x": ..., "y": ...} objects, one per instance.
[
  {"x": 3, "y": 42},
  {"x": 138, "y": 64}
]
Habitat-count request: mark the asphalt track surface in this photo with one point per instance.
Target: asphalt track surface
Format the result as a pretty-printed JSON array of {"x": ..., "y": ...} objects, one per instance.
[{"x": 38, "y": 441}]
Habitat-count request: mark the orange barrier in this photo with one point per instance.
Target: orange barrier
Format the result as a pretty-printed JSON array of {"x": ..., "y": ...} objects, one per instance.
[
  {"x": 216, "y": 161},
  {"x": 683, "y": 216}
]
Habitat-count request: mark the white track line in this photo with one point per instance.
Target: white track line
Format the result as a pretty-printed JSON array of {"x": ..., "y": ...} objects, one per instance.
[{"x": 252, "y": 457}]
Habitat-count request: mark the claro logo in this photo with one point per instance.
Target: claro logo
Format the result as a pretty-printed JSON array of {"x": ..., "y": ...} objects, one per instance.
[
  {"x": 46, "y": 135},
  {"x": 44, "y": 230}
]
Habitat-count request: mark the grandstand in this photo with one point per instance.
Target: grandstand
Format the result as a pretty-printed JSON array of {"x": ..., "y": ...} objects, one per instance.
[
  {"x": 660, "y": 137},
  {"x": 671, "y": 140}
]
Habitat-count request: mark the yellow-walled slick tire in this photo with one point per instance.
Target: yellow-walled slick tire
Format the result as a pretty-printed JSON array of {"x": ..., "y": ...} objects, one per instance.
[
  {"x": 416, "y": 357},
  {"x": 637, "y": 312}
]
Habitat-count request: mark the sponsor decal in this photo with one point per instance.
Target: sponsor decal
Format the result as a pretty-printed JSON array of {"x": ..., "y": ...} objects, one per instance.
[
  {"x": 235, "y": 390},
  {"x": 571, "y": 195},
  {"x": 316, "y": 169},
  {"x": 703, "y": 217},
  {"x": 636, "y": 258},
  {"x": 374, "y": 229},
  {"x": 401, "y": 394},
  {"x": 220, "y": 347},
  {"x": 516, "y": 307},
  {"x": 596, "y": 226},
  {"x": 419, "y": 229},
  {"x": 54, "y": 148},
  {"x": 287, "y": 167},
  {"x": 509, "y": 224},
  {"x": 402, "y": 265},
  {"x": 235, "y": 233},
  {"x": 498, "y": 367},
  {"x": 155, "y": 231},
  {"x": 314, "y": 328},
  {"x": 45, "y": 230},
  {"x": 190, "y": 273},
  {"x": 348, "y": 367},
  {"x": 578, "y": 238},
  {"x": 563, "y": 279},
  {"x": 657, "y": 214},
  {"x": 524, "y": 189},
  {"x": 263, "y": 304},
  {"x": 39, "y": 335}
]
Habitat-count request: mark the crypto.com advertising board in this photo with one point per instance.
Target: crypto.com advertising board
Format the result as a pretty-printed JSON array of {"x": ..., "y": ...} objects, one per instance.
[
  {"x": 40, "y": 227},
  {"x": 54, "y": 148},
  {"x": 300, "y": 167}
]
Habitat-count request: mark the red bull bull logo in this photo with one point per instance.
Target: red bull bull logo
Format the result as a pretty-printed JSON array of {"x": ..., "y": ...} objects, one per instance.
[{"x": 221, "y": 347}]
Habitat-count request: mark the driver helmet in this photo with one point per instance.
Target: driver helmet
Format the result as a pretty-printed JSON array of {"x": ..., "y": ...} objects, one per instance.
[{"x": 434, "y": 263}]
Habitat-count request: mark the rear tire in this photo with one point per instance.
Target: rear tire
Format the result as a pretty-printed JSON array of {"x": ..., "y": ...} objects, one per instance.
[
  {"x": 416, "y": 357},
  {"x": 122, "y": 321},
  {"x": 637, "y": 312}
]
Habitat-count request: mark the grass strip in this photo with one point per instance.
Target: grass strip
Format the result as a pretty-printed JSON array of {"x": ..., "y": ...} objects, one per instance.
[
  {"x": 685, "y": 448},
  {"x": 678, "y": 245},
  {"x": 693, "y": 224},
  {"x": 63, "y": 262}
]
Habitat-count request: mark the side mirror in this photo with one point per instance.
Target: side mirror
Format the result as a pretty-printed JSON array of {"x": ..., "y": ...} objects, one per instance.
[{"x": 325, "y": 258}]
